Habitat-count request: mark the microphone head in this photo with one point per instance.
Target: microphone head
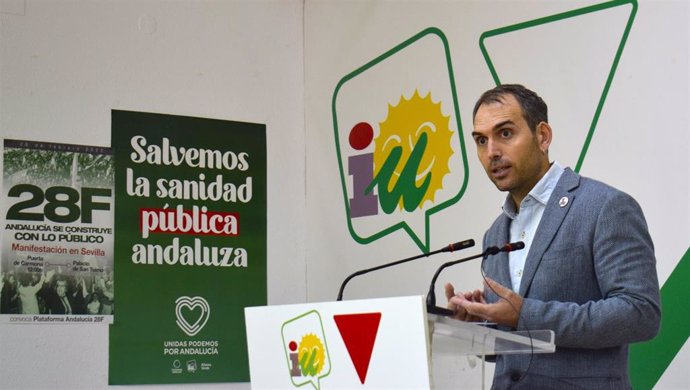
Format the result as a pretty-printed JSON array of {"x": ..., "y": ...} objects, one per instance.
[
  {"x": 459, "y": 245},
  {"x": 513, "y": 246}
]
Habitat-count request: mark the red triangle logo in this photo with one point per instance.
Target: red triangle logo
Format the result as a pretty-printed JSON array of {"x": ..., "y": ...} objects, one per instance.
[{"x": 359, "y": 335}]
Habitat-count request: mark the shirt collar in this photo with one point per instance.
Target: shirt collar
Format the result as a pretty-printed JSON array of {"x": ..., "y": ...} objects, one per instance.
[{"x": 541, "y": 191}]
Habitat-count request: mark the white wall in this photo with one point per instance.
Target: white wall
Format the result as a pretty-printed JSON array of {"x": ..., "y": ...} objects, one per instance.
[{"x": 65, "y": 64}]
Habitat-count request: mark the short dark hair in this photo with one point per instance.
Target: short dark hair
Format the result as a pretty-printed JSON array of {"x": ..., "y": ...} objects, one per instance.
[{"x": 534, "y": 108}]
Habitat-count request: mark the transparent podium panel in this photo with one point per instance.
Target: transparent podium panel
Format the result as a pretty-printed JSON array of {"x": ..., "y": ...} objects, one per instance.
[
  {"x": 451, "y": 336},
  {"x": 458, "y": 349}
]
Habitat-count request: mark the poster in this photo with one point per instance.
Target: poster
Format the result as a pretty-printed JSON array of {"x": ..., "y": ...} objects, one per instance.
[
  {"x": 56, "y": 261},
  {"x": 190, "y": 248}
]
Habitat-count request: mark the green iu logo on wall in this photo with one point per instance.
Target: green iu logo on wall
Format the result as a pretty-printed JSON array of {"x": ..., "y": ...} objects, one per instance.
[{"x": 400, "y": 150}]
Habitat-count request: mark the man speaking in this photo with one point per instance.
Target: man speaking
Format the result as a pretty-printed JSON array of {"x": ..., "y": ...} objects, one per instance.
[{"x": 588, "y": 270}]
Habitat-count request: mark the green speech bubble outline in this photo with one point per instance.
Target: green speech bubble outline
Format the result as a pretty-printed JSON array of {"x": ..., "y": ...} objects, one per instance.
[
  {"x": 559, "y": 17},
  {"x": 425, "y": 244},
  {"x": 315, "y": 381}
]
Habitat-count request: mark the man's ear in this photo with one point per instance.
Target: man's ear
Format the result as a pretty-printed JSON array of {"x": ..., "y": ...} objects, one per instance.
[{"x": 544, "y": 135}]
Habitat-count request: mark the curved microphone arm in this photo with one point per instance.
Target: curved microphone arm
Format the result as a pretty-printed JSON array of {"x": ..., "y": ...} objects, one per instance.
[
  {"x": 431, "y": 295},
  {"x": 449, "y": 248},
  {"x": 490, "y": 251}
]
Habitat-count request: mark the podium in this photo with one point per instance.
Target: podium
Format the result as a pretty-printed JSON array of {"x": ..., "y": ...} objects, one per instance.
[
  {"x": 372, "y": 343},
  {"x": 451, "y": 339}
]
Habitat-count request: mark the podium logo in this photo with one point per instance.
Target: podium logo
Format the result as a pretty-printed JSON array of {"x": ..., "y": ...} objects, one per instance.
[
  {"x": 304, "y": 341},
  {"x": 192, "y": 314},
  {"x": 398, "y": 140}
]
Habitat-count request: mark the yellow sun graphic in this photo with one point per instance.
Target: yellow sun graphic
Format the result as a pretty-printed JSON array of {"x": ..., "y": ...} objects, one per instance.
[
  {"x": 403, "y": 126},
  {"x": 311, "y": 352}
]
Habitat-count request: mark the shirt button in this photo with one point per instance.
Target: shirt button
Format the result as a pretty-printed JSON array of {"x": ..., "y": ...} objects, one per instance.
[
  {"x": 522, "y": 235},
  {"x": 519, "y": 273}
]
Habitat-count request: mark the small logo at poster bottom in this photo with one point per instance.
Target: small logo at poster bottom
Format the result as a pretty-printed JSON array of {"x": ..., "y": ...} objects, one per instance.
[
  {"x": 190, "y": 306},
  {"x": 176, "y": 367}
]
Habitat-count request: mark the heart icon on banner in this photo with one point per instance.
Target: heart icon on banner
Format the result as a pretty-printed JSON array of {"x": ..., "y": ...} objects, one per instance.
[{"x": 191, "y": 304}]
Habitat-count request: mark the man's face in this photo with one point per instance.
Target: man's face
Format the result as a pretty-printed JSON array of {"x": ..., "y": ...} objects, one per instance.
[
  {"x": 61, "y": 288},
  {"x": 512, "y": 155}
]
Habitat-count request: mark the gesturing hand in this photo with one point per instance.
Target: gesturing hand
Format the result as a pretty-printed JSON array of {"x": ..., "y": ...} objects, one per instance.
[
  {"x": 470, "y": 296},
  {"x": 505, "y": 312}
]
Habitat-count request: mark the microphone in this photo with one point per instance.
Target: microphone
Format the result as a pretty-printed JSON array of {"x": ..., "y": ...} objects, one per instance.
[
  {"x": 509, "y": 247},
  {"x": 448, "y": 248},
  {"x": 431, "y": 295}
]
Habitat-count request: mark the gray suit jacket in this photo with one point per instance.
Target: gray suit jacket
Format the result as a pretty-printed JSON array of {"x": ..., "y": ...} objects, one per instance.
[{"x": 590, "y": 276}]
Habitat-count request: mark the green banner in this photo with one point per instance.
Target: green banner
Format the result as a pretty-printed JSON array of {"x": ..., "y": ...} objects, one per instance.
[{"x": 190, "y": 246}]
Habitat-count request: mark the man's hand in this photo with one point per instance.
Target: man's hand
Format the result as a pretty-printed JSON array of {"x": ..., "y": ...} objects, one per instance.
[
  {"x": 505, "y": 312},
  {"x": 470, "y": 296}
]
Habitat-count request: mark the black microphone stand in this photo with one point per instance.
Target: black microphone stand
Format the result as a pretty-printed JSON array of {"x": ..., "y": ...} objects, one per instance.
[
  {"x": 431, "y": 296},
  {"x": 449, "y": 248},
  {"x": 490, "y": 251}
]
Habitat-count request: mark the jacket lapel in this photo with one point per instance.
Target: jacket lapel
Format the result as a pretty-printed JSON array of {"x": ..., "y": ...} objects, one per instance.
[
  {"x": 502, "y": 266},
  {"x": 550, "y": 222}
]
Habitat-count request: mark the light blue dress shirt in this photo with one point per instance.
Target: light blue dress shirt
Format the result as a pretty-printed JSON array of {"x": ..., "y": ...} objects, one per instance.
[{"x": 524, "y": 222}]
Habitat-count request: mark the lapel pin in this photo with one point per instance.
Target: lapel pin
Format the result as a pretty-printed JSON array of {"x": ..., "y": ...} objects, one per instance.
[{"x": 563, "y": 201}]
